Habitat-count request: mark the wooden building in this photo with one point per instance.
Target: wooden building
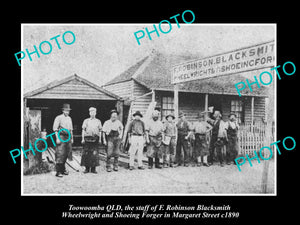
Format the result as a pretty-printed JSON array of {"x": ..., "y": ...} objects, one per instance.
[
  {"x": 44, "y": 104},
  {"x": 150, "y": 79}
]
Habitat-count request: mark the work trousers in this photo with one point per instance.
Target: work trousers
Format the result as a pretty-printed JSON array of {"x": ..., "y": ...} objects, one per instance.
[
  {"x": 62, "y": 152},
  {"x": 221, "y": 151},
  {"x": 154, "y": 148},
  {"x": 169, "y": 152},
  {"x": 113, "y": 149},
  {"x": 182, "y": 143},
  {"x": 212, "y": 147},
  {"x": 90, "y": 153},
  {"x": 232, "y": 148},
  {"x": 136, "y": 147},
  {"x": 200, "y": 147}
]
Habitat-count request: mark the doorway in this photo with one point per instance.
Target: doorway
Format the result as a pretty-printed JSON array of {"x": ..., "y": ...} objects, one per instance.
[
  {"x": 215, "y": 101},
  {"x": 50, "y": 108}
]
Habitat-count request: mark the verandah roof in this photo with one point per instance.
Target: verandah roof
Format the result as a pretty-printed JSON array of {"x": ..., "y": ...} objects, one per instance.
[{"x": 153, "y": 72}]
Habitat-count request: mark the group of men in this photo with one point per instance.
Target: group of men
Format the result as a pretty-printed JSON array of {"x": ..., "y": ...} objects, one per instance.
[
  {"x": 183, "y": 143},
  {"x": 175, "y": 143},
  {"x": 112, "y": 132}
]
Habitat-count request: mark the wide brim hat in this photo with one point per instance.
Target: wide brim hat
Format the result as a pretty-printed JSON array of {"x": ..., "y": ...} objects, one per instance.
[
  {"x": 138, "y": 113},
  {"x": 66, "y": 107},
  {"x": 170, "y": 114}
]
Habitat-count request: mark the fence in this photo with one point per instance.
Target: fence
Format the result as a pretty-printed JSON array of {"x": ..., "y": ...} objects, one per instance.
[{"x": 252, "y": 138}]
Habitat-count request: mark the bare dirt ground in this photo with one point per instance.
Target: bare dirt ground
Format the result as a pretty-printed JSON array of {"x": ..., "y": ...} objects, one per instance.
[{"x": 180, "y": 180}]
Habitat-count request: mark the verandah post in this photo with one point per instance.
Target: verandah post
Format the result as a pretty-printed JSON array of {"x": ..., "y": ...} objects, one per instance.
[
  {"x": 206, "y": 103},
  {"x": 176, "y": 102}
]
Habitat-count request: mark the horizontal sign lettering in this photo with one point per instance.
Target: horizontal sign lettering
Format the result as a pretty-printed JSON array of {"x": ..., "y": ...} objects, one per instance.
[{"x": 250, "y": 58}]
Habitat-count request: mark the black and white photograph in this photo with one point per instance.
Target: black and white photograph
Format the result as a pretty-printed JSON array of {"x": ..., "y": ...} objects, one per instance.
[
  {"x": 134, "y": 114},
  {"x": 149, "y": 109}
]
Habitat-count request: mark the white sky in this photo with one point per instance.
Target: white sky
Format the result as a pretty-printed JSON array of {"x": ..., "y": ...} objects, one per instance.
[{"x": 103, "y": 51}]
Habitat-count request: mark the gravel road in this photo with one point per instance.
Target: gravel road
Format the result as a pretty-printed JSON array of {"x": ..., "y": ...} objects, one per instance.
[{"x": 180, "y": 180}]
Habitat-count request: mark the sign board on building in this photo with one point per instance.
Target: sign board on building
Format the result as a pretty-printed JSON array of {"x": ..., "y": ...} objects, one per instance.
[{"x": 245, "y": 59}]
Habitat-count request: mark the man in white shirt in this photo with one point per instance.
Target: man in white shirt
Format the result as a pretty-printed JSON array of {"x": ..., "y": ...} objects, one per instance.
[
  {"x": 112, "y": 136},
  {"x": 63, "y": 149},
  {"x": 91, "y": 138}
]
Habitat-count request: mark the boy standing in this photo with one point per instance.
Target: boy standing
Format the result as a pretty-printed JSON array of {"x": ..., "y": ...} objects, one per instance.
[{"x": 169, "y": 141}]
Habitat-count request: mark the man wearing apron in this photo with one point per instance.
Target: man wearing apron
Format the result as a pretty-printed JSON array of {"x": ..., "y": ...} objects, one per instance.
[
  {"x": 63, "y": 149},
  {"x": 218, "y": 138},
  {"x": 91, "y": 130},
  {"x": 201, "y": 129},
  {"x": 154, "y": 137},
  {"x": 232, "y": 131},
  {"x": 112, "y": 136},
  {"x": 183, "y": 132}
]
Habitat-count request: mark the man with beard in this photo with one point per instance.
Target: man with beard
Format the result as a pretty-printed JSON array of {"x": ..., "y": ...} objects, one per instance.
[
  {"x": 218, "y": 138},
  {"x": 154, "y": 137}
]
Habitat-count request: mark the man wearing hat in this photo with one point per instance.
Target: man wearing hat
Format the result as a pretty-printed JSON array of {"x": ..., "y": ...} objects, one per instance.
[
  {"x": 169, "y": 141},
  {"x": 63, "y": 149},
  {"x": 91, "y": 133},
  {"x": 201, "y": 129},
  {"x": 218, "y": 137},
  {"x": 232, "y": 131},
  {"x": 183, "y": 131},
  {"x": 136, "y": 132},
  {"x": 112, "y": 136},
  {"x": 154, "y": 137}
]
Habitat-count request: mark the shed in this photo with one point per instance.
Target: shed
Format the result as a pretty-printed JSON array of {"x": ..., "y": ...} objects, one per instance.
[{"x": 45, "y": 103}]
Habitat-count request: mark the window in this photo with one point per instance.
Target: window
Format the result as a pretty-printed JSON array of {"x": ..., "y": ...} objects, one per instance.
[
  {"x": 237, "y": 108},
  {"x": 167, "y": 106}
]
